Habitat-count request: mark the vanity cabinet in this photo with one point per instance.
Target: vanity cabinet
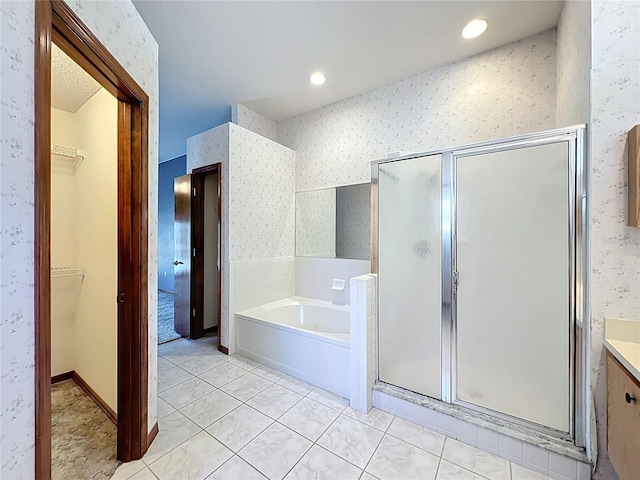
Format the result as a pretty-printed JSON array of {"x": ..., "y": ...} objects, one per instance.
[{"x": 623, "y": 420}]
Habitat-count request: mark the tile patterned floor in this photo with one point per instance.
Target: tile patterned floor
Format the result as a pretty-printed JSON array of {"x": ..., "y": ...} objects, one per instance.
[{"x": 228, "y": 417}]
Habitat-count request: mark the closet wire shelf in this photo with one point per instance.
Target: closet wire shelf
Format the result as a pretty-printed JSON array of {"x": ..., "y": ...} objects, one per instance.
[
  {"x": 58, "y": 272},
  {"x": 68, "y": 156}
]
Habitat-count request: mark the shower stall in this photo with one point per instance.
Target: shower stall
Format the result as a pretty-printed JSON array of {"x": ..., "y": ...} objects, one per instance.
[{"x": 480, "y": 256}]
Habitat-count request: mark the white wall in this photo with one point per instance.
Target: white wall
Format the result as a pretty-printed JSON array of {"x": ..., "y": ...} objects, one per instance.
[
  {"x": 119, "y": 27},
  {"x": 573, "y": 64},
  {"x": 96, "y": 245},
  {"x": 314, "y": 277},
  {"x": 209, "y": 148},
  {"x": 84, "y": 227},
  {"x": 210, "y": 308},
  {"x": 614, "y": 248},
  {"x": 258, "y": 204},
  {"x": 65, "y": 291},
  {"x": 261, "y": 197},
  {"x": 506, "y": 91},
  {"x": 247, "y": 118}
]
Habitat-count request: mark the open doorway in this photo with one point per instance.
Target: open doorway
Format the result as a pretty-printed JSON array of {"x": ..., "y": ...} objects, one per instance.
[
  {"x": 167, "y": 172},
  {"x": 198, "y": 262},
  {"x": 127, "y": 400},
  {"x": 84, "y": 274}
]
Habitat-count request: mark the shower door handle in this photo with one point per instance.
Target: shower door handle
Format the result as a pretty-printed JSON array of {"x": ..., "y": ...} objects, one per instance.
[{"x": 178, "y": 262}]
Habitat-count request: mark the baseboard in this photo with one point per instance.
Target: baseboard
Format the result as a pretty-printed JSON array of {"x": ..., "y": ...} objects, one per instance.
[
  {"x": 108, "y": 411},
  {"x": 62, "y": 377},
  {"x": 224, "y": 350},
  {"x": 152, "y": 435},
  {"x": 208, "y": 330}
]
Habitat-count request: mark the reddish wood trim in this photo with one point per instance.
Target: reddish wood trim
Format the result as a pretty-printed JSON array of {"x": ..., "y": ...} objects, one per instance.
[
  {"x": 62, "y": 377},
  {"x": 54, "y": 19},
  {"x": 197, "y": 241},
  {"x": 42, "y": 260},
  {"x": 85, "y": 48},
  {"x": 213, "y": 168},
  {"x": 152, "y": 435},
  {"x": 224, "y": 350},
  {"x": 197, "y": 262},
  {"x": 102, "y": 405}
]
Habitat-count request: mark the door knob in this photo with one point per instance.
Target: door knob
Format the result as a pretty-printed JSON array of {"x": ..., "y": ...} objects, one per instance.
[
  {"x": 177, "y": 262},
  {"x": 629, "y": 398}
]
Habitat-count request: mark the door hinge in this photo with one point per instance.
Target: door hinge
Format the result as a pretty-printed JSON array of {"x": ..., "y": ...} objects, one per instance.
[
  {"x": 194, "y": 252},
  {"x": 193, "y": 312},
  {"x": 120, "y": 298},
  {"x": 195, "y": 192}
]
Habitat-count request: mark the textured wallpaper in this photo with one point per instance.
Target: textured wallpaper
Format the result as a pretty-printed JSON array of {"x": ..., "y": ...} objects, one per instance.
[
  {"x": 614, "y": 247},
  {"x": 261, "y": 198},
  {"x": 506, "y": 91},
  {"x": 573, "y": 64},
  {"x": 209, "y": 148},
  {"x": 120, "y": 28},
  {"x": 247, "y": 118},
  {"x": 353, "y": 221},
  {"x": 316, "y": 223},
  {"x": 17, "y": 439},
  {"x": 258, "y": 204}
]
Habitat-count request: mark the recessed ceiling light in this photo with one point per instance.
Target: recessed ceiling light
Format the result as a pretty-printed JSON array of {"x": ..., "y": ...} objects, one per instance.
[
  {"x": 474, "y": 28},
  {"x": 317, "y": 78}
]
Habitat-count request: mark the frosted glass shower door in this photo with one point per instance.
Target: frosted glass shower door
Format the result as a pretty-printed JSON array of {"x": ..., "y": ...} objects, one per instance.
[
  {"x": 512, "y": 255},
  {"x": 409, "y": 278}
]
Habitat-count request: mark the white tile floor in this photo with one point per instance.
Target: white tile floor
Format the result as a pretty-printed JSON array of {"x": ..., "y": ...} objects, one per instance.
[{"x": 228, "y": 417}]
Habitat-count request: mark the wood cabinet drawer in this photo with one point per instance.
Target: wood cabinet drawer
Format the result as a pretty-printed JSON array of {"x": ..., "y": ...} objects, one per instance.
[{"x": 623, "y": 420}]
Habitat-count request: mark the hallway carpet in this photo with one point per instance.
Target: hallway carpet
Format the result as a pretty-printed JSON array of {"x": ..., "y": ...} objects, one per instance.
[
  {"x": 166, "y": 332},
  {"x": 83, "y": 439}
]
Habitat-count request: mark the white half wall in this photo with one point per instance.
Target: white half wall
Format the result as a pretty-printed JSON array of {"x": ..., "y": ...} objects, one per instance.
[{"x": 314, "y": 276}]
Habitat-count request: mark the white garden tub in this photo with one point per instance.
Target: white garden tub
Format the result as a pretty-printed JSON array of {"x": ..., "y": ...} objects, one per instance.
[{"x": 306, "y": 338}]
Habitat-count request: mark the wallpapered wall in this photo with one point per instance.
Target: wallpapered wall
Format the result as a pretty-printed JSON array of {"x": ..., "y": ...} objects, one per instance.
[
  {"x": 573, "y": 64},
  {"x": 506, "y": 91},
  {"x": 316, "y": 223},
  {"x": 247, "y": 118},
  {"x": 120, "y": 28},
  {"x": 614, "y": 247},
  {"x": 258, "y": 203},
  {"x": 209, "y": 148},
  {"x": 261, "y": 196}
]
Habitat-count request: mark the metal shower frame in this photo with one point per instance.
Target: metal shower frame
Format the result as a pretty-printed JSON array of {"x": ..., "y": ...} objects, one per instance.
[{"x": 579, "y": 335}]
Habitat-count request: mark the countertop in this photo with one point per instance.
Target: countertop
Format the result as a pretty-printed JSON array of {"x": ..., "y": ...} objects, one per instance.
[{"x": 622, "y": 339}]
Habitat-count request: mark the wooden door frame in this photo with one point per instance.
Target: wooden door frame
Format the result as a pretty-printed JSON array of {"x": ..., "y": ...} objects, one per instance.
[
  {"x": 197, "y": 241},
  {"x": 54, "y": 20}
]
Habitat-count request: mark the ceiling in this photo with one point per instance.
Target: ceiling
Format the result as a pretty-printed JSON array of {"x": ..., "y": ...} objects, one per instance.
[
  {"x": 260, "y": 53},
  {"x": 71, "y": 86}
]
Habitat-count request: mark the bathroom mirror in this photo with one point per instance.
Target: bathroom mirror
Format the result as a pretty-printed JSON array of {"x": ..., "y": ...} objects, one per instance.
[{"x": 334, "y": 222}]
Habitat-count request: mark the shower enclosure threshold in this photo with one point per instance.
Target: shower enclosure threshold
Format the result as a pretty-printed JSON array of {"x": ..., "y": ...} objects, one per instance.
[{"x": 499, "y": 425}]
